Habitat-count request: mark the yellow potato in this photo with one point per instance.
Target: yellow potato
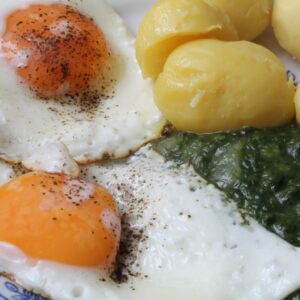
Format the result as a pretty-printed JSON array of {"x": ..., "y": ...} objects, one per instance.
[
  {"x": 171, "y": 23},
  {"x": 250, "y": 17},
  {"x": 297, "y": 103},
  {"x": 286, "y": 24},
  {"x": 211, "y": 85}
]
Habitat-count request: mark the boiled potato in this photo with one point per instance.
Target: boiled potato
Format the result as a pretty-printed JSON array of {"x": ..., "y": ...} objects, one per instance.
[
  {"x": 286, "y": 23},
  {"x": 171, "y": 23},
  {"x": 211, "y": 85},
  {"x": 250, "y": 17},
  {"x": 297, "y": 103}
]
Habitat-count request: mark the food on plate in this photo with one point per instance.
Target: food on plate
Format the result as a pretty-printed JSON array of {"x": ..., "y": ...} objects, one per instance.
[
  {"x": 285, "y": 21},
  {"x": 59, "y": 218},
  {"x": 179, "y": 239},
  {"x": 171, "y": 23},
  {"x": 211, "y": 85},
  {"x": 249, "y": 17},
  {"x": 149, "y": 226},
  {"x": 69, "y": 74},
  {"x": 258, "y": 169}
]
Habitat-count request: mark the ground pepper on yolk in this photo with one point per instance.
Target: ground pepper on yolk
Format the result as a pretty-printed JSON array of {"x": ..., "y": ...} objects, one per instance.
[{"x": 55, "y": 49}]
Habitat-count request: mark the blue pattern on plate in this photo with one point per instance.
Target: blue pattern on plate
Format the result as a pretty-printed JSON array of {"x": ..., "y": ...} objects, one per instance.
[
  {"x": 11, "y": 291},
  {"x": 292, "y": 75}
]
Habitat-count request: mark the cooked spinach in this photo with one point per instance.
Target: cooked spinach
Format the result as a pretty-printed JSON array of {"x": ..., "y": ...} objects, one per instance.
[
  {"x": 294, "y": 296},
  {"x": 259, "y": 169}
]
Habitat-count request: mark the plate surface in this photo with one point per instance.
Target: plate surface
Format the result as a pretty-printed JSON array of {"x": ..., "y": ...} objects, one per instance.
[{"x": 133, "y": 11}]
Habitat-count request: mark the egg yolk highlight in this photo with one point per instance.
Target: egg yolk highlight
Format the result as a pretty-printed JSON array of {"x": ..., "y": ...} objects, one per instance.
[
  {"x": 56, "y": 217},
  {"x": 55, "y": 49}
]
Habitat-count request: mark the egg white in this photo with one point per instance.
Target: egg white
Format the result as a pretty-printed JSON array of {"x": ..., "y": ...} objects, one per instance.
[
  {"x": 6, "y": 172},
  {"x": 194, "y": 245},
  {"x": 121, "y": 124},
  {"x": 52, "y": 158},
  {"x": 10, "y": 171}
]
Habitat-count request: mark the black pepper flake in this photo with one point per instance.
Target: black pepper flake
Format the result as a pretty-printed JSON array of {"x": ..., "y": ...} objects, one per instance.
[{"x": 128, "y": 250}]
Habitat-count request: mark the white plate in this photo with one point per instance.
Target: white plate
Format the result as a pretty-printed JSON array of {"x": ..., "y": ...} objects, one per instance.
[{"x": 133, "y": 11}]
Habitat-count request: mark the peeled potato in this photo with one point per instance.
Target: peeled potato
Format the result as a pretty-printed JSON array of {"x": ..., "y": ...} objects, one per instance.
[
  {"x": 171, "y": 23},
  {"x": 286, "y": 24},
  {"x": 250, "y": 17},
  {"x": 211, "y": 85},
  {"x": 297, "y": 103}
]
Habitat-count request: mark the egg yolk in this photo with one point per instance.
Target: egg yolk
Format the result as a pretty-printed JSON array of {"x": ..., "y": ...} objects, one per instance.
[
  {"x": 55, "y": 49},
  {"x": 56, "y": 217}
]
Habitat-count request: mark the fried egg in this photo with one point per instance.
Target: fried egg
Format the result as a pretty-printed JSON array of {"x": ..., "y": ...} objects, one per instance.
[
  {"x": 69, "y": 74},
  {"x": 179, "y": 237}
]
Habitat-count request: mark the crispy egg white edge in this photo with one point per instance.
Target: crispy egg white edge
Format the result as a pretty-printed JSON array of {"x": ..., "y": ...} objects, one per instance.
[
  {"x": 196, "y": 245},
  {"x": 6, "y": 172},
  {"x": 120, "y": 126}
]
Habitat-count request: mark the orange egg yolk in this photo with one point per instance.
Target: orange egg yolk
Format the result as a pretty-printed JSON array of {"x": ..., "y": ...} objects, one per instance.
[
  {"x": 55, "y": 49},
  {"x": 59, "y": 218}
]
